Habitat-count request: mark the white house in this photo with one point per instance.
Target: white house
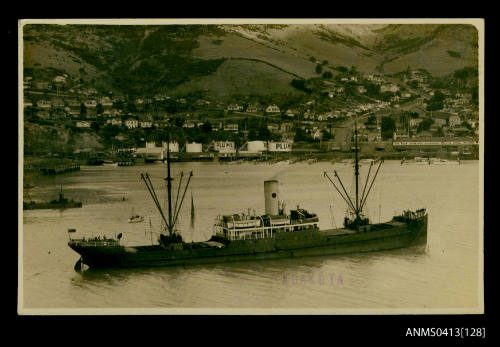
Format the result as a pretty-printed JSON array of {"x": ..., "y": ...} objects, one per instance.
[
  {"x": 272, "y": 109},
  {"x": 114, "y": 121},
  {"x": 60, "y": 79},
  {"x": 235, "y": 107},
  {"x": 231, "y": 127},
  {"x": 132, "y": 123},
  {"x": 454, "y": 120},
  {"x": 83, "y": 124},
  {"x": 106, "y": 102},
  {"x": 146, "y": 124},
  {"x": 43, "y": 104},
  {"x": 415, "y": 122},
  {"x": 389, "y": 88},
  {"x": 91, "y": 103},
  {"x": 252, "y": 108}
]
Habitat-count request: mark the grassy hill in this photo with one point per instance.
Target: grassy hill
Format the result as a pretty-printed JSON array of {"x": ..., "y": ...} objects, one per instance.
[{"x": 245, "y": 59}]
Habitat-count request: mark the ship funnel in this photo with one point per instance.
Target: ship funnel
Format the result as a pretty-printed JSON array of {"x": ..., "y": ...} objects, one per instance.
[{"x": 271, "y": 195}]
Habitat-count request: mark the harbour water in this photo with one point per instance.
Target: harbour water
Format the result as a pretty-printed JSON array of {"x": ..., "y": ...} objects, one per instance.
[{"x": 444, "y": 275}]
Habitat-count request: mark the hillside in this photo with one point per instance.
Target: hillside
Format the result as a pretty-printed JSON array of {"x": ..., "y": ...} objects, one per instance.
[{"x": 243, "y": 59}]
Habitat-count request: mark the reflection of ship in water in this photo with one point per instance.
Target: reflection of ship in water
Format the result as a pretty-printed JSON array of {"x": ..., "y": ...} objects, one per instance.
[
  {"x": 249, "y": 236},
  {"x": 60, "y": 203}
]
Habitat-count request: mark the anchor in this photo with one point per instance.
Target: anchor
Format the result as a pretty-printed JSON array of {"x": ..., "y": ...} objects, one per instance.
[{"x": 80, "y": 265}]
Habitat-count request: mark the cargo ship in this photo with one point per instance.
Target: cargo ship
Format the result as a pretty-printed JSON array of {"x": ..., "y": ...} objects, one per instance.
[
  {"x": 60, "y": 203},
  {"x": 248, "y": 236}
]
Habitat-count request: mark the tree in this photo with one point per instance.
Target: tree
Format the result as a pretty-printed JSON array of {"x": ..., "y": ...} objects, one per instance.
[
  {"x": 99, "y": 109},
  {"x": 300, "y": 135},
  {"x": 388, "y": 126},
  {"x": 372, "y": 120},
  {"x": 327, "y": 75},
  {"x": 206, "y": 127},
  {"x": 425, "y": 124},
  {"x": 325, "y": 62},
  {"x": 83, "y": 110},
  {"x": 326, "y": 135},
  {"x": 319, "y": 69}
]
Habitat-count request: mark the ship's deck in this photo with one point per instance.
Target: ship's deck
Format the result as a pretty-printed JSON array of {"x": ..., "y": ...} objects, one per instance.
[
  {"x": 337, "y": 232},
  {"x": 374, "y": 227}
]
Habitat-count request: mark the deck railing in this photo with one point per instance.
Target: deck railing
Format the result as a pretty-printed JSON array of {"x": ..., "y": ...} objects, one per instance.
[
  {"x": 87, "y": 243},
  {"x": 262, "y": 232}
]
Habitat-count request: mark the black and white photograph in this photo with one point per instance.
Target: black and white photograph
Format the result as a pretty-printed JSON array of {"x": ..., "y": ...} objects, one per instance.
[{"x": 250, "y": 166}]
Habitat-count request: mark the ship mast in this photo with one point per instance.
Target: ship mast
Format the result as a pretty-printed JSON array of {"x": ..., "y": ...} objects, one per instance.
[
  {"x": 356, "y": 206},
  {"x": 356, "y": 165},
  {"x": 169, "y": 189},
  {"x": 173, "y": 215}
]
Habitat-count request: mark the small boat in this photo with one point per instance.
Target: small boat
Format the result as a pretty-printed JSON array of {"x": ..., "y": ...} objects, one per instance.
[
  {"x": 135, "y": 218},
  {"x": 439, "y": 161},
  {"x": 109, "y": 163}
]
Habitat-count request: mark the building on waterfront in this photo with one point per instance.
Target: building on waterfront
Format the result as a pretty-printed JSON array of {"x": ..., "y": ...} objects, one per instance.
[
  {"x": 194, "y": 147},
  {"x": 225, "y": 148},
  {"x": 281, "y": 147},
  {"x": 436, "y": 144}
]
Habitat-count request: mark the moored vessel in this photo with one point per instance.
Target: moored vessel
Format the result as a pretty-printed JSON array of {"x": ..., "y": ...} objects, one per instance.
[
  {"x": 250, "y": 236},
  {"x": 60, "y": 203}
]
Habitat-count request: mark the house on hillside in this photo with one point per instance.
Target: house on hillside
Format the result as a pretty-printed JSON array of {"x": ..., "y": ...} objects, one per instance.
[
  {"x": 234, "y": 107},
  {"x": 83, "y": 124},
  {"x": 43, "y": 104},
  {"x": 272, "y": 109},
  {"x": 454, "y": 120},
  {"x": 273, "y": 128},
  {"x": 114, "y": 121},
  {"x": 253, "y": 108},
  {"x": 106, "y": 102},
  {"x": 414, "y": 122},
  {"x": 231, "y": 127},
  {"x": 90, "y": 103},
  {"x": 60, "y": 79},
  {"x": 58, "y": 103},
  {"x": 393, "y": 88},
  {"x": 291, "y": 112},
  {"x": 131, "y": 123},
  {"x": 145, "y": 124},
  {"x": 44, "y": 85}
]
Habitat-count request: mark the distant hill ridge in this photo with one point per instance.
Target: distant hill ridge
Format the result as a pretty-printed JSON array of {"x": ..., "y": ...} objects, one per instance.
[{"x": 169, "y": 58}]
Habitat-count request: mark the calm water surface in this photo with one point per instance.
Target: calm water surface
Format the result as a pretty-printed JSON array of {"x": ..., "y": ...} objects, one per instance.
[{"x": 444, "y": 275}]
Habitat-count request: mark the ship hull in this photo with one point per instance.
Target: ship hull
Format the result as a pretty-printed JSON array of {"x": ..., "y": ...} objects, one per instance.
[
  {"x": 52, "y": 206},
  {"x": 311, "y": 242}
]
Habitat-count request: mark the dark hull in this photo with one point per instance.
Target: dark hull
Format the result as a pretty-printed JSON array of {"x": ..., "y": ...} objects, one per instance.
[
  {"x": 48, "y": 205},
  {"x": 311, "y": 242}
]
